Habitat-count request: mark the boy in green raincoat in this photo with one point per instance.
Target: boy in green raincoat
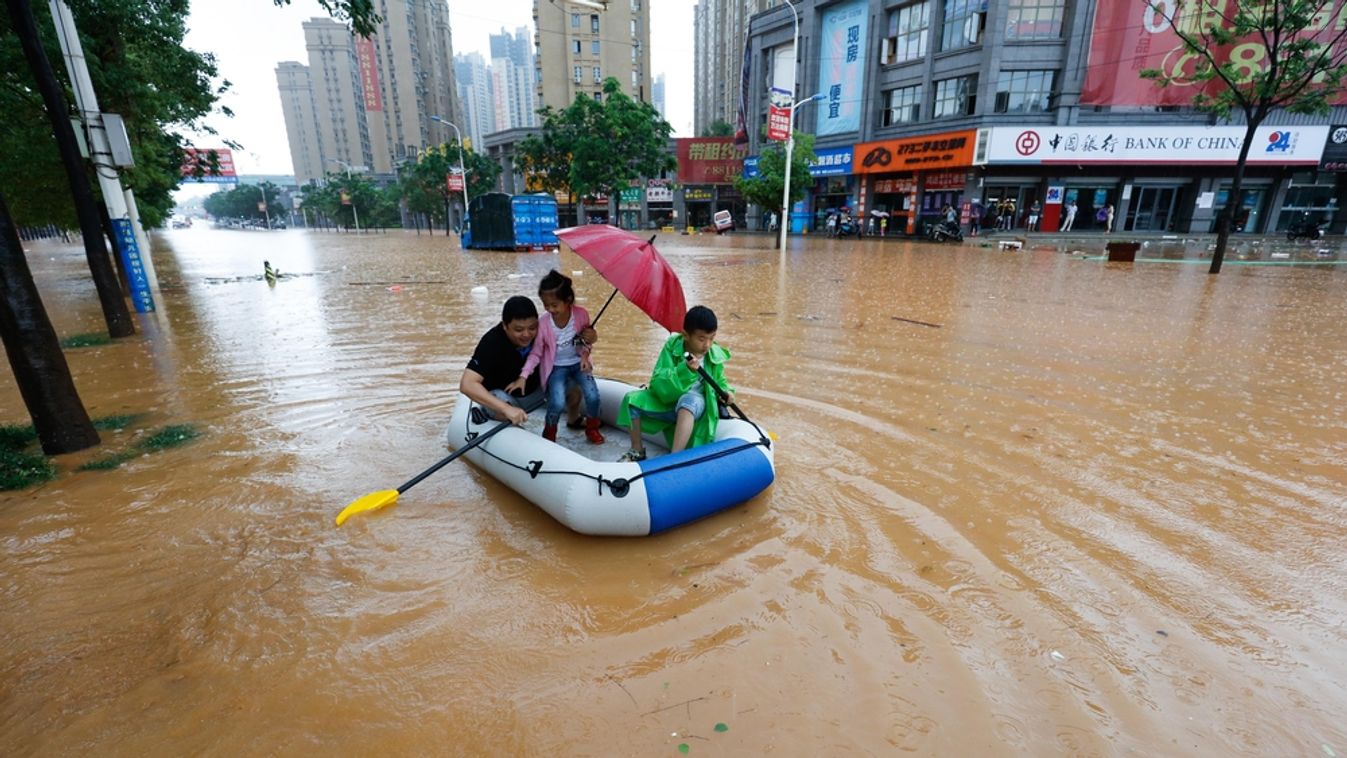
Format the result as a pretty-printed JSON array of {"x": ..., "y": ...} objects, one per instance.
[{"x": 676, "y": 401}]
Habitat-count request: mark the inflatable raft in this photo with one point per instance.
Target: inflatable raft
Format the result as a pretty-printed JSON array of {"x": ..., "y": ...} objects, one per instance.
[{"x": 586, "y": 489}]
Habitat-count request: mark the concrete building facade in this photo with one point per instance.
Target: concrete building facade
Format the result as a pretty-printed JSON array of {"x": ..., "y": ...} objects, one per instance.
[
  {"x": 930, "y": 103},
  {"x": 720, "y": 29},
  {"x": 579, "y": 46},
  {"x": 371, "y": 100},
  {"x": 301, "y": 121},
  {"x": 476, "y": 94},
  {"x": 515, "y": 90}
]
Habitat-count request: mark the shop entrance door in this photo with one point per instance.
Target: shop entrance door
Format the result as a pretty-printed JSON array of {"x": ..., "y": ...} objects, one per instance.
[{"x": 1152, "y": 209}]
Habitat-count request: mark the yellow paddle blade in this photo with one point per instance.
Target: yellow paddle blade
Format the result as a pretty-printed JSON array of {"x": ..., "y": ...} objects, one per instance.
[
  {"x": 371, "y": 502},
  {"x": 773, "y": 436}
]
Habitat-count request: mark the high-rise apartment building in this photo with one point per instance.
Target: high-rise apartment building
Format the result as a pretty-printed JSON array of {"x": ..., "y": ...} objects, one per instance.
[
  {"x": 301, "y": 121},
  {"x": 580, "y": 45},
  {"x": 370, "y": 101},
  {"x": 720, "y": 29},
  {"x": 515, "y": 88},
  {"x": 657, "y": 96},
  {"x": 476, "y": 94}
]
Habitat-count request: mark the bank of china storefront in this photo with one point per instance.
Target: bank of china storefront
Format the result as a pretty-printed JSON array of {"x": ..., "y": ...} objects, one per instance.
[{"x": 1157, "y": 179}]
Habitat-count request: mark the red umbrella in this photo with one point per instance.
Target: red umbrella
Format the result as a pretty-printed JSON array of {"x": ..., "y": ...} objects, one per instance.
[{"x": 634, "y": 267}]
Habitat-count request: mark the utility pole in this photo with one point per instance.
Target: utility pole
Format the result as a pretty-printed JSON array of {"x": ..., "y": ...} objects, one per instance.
[
  {"x": 135, "y": 261},
  {"x": 53, "y": 99}
]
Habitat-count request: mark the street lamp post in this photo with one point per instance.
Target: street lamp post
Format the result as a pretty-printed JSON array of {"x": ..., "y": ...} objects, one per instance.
[
  {"x": 790, "y": 151},
  {"x": 354, "y": 211},
  {"x": 266, "y": 213},
  {"x": 463, "y": 172},
  {"x": 790, "y": 138}
]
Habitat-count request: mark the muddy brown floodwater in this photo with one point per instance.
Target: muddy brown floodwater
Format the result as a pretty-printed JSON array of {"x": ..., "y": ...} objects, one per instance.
[{"x": 1026, "y": 504}]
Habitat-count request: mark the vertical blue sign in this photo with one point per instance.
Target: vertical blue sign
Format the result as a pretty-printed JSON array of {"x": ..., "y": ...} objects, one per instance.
[
  {"x": 129, "y": 250},
  {"x": 841, "y": 67}
]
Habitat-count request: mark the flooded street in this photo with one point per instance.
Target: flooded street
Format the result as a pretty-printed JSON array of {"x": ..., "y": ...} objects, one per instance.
[{"x": 1026, "y": 504}]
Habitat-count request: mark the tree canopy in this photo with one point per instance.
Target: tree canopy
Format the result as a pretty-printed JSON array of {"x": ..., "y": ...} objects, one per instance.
[
  {"x": 1253, "y": 58},
  {"x": 243, "y": 201},
  {"x": 765, "y": 188},
  {"x": 719, "y": 128},
  {"x": 595, "y": 147},
  {"x": 141, "y": 70}
]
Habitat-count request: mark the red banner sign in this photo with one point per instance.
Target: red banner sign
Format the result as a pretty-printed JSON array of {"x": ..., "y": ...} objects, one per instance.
[
  {"x": 709, "y": 160},
  {"x": 943, "y": 180},
  {"x": 199, "y": 158},
  {"x": 455, "y": 182},
  {"x": 369, "y": 73},
  {"x": 1131, "y": 36},
  {"x": 778, "y": 115}
]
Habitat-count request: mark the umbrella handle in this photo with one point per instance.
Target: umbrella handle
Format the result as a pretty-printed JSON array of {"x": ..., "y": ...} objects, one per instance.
[{"x": 604, "y": 308}]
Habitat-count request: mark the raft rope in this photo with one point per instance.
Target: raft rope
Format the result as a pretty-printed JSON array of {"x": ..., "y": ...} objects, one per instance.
[{"x": 620, "y": 486}]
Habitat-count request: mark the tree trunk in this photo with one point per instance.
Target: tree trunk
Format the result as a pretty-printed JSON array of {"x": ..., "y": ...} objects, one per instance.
[
  {"x": 35, "y": 353},
  {"x": 1234, "y": 201},
  {"x": 115, "y": 313}
]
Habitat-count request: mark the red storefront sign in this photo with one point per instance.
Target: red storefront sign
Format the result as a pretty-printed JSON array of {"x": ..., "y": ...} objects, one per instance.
[
  {"x": 945, "y": 180},
  {"x": 709, "y": 160},
  {"x": 1132, "y": 36}
]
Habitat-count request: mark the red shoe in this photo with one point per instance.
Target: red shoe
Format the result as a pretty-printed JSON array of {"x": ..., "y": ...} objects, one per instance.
[
  {"x": 592, "y": 431},
  {"x": 550, "y": 432}
]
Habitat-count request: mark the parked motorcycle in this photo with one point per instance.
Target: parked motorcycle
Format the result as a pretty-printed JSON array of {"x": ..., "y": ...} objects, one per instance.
[
  {"x": 943, "y": 231},
  {"x": 1304, "y": 229}
]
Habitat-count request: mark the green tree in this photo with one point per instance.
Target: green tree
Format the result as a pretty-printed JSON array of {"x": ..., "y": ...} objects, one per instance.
[
  {"x": 361, "y": 195},
  {"x": 719, "y": 128},
  {"x": 242, "y": 202},
  {"x": 425, "y": 183},
  {"x": 1254, "y": 58},
  {"x": 765, "y": 189},
  {"x": 597, "y": 148}
]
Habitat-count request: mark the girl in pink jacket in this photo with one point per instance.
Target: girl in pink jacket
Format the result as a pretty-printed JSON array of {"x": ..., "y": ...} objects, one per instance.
[{"x": 562, "y": 351}]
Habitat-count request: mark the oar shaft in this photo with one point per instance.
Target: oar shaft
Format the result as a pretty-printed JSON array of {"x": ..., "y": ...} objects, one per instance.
[
  {"x": 479, "y": 439},
  {"x": 720, "y": 391}
]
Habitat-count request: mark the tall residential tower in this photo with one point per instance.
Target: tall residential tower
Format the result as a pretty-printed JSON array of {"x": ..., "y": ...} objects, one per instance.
[{"x": 579, "y": 46}]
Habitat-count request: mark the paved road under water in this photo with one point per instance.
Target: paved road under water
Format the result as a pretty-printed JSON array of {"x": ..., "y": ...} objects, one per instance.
[{"x": 1026, "y": 504}]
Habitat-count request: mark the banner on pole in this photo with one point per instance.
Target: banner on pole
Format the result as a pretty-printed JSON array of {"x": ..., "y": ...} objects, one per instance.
[{"x": 778, "y": 115}]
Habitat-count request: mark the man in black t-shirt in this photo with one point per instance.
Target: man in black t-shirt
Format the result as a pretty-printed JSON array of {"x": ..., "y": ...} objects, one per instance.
[{"x": 498, "y": 360}]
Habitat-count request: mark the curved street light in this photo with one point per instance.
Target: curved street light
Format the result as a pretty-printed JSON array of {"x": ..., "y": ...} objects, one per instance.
[{"x": 459, "y": 136}]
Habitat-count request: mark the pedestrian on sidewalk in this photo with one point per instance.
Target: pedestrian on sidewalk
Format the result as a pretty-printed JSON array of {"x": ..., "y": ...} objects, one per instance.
[
  {"x": 975, "y": 219},
  {"x": 1035, "y": 211},
  {"x": 771, "y": 222},
  {"x": 1070, "y": 216}
]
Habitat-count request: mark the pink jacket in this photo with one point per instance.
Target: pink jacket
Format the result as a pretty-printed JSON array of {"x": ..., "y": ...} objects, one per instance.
[{"x": 544, "y": 351}]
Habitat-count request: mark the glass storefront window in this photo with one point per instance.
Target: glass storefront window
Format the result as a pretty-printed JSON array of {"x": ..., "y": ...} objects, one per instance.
[
  {"x": 1248, "y": 215},
  {"x": 1316, "y": 203}
]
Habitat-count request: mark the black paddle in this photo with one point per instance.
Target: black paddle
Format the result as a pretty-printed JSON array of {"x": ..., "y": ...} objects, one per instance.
[{"x": 376, "y": 500}]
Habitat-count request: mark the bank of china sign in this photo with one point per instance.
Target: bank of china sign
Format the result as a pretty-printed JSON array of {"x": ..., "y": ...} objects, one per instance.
[{"x": 1280, "y": 145}]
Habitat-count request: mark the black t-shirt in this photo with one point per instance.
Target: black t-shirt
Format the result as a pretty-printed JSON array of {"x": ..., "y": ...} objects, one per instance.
[{"x": 499, "y": 361}]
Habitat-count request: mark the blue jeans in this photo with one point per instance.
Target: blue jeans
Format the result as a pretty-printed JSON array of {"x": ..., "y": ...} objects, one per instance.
[
  {"x": 557, "y": 382},
  {"x": 693, "y": 401}
]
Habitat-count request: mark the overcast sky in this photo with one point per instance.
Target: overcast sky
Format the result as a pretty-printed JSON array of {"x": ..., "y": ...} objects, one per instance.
[{"x": 249, "y": 37}]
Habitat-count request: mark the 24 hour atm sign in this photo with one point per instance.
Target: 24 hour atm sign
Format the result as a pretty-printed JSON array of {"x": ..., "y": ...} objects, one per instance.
[{"x": 1281, "y": 145}]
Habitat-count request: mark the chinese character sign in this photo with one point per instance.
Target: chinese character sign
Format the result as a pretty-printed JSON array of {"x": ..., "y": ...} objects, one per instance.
[
  {"x": 455, "y": 180},
  {"x": 125, "y": 239},
  {"x": 709, "y": 160},
  {"x": 369, "y": 73},
  {"x": 778, "y": 115},
  {"x": 199, "y": 158},
  {"x": 1131, "y": 36},
  {"x": 841, "y": 67}
]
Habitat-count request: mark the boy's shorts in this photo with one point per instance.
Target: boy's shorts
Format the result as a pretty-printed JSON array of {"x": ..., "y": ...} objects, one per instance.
[{"x": 692, "y": 400}]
